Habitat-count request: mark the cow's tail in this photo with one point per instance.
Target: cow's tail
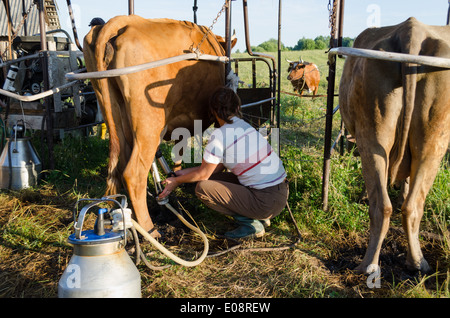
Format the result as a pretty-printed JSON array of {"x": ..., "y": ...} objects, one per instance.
[
  {"x": 108, "y": 31},
  {"x": 409, "y": 83}
]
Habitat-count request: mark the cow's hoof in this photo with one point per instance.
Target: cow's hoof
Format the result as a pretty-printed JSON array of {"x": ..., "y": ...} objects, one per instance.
[
  {"x": 420, "y": 266},
  {"x": 360, "y": 269},
  {"x": 366, "y": 269},
  {"x": 154, "y": 233}
]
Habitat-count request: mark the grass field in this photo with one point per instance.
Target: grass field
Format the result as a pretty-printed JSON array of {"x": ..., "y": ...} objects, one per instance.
[{"x": 35, "y": 224}]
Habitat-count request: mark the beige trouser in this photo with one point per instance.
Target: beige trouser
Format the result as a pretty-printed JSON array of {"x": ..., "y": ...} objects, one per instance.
[{"x": 222, "y": 192}]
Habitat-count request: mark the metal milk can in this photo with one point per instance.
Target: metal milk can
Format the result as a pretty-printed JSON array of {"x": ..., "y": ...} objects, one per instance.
[
  {"x": 100, "y": 267},
  {"x": 20, "y": 166}
]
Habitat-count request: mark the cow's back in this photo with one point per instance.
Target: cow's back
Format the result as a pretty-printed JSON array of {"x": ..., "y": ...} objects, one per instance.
[{"x": 374, "y": 90}]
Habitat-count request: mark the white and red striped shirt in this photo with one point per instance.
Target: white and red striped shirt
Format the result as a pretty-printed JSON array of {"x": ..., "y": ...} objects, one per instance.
[{"x": 246, "y": 153}]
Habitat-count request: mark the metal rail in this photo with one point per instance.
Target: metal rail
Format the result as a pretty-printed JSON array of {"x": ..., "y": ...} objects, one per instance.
[
  {"x": 20, "y": 59},
  {"x": 258, "y": 102},
  {"x": 145, "y": 66},
  {"x": 32, "y": 98},
  {"x": 390, "y": 56}
]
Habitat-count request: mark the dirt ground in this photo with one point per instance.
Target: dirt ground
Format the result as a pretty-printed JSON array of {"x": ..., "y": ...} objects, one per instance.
[{"x": 343, "y": 255}]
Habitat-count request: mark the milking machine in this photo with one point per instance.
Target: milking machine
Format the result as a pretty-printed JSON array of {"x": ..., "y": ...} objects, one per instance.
[{"x": 100, "y": 265}]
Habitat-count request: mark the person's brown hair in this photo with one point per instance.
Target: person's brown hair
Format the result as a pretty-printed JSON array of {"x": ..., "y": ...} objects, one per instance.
[{"x": 225, "y": 103}]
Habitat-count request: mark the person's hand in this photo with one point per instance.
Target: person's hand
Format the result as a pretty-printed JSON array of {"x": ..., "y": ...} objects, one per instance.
[{"x": 170, "y": 184}]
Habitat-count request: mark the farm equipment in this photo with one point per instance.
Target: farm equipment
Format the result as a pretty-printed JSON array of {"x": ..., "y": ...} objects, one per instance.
[{"x": 34, "y": 62}]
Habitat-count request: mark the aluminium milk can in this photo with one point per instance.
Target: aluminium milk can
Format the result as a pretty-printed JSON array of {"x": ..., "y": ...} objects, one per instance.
[
  {"x": 20, "y": 165},
  {"x": 100, "y": 267}
]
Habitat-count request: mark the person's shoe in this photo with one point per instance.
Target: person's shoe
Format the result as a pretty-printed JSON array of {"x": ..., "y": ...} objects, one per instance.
[
  {"x": 248, "y": 228},
  {"x": 265, "y": 222}
]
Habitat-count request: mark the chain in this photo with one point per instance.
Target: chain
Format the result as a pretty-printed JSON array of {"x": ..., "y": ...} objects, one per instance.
[
  {"x": 332, "y": 9},
  {"x": 225, "y": 5},
  {"x": 329, "y": 13},
  {"x": 332, "y": 17},
  {"x": 25, "y": 16},
  {"x": 16, "y": 32}
]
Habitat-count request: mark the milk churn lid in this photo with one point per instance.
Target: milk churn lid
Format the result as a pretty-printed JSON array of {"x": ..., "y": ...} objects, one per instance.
[{"x": 90, "y": 237}]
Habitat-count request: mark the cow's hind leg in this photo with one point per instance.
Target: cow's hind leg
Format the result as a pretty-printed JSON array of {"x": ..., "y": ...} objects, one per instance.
[
  {"x": 136, "y": 177},
  {"x": 380, "y": 207},
  {"x": 427, "y": 153},
  {"x": 412, "y": 212}
]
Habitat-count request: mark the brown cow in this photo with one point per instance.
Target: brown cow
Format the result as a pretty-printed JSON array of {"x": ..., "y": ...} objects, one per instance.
[
  {"x": 142, "y": 108},
  {"x": 400, "y": 116},
  {"x": 304, "y": 76}
]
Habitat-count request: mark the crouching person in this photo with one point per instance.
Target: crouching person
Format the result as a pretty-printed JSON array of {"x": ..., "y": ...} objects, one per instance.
[{"x": 254, "y": 188}]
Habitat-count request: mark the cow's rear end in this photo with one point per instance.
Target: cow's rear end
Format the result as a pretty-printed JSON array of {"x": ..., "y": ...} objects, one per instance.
[{"x": 400, "y": 116}]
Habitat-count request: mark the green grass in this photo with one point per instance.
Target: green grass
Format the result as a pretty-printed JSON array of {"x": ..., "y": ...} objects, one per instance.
[{"x": 35, "y": 223}]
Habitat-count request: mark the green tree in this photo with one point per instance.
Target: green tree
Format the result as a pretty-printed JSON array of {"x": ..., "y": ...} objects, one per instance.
[
  {"x": 270, "y": 45},
  {"x": 321, "y": 42},
  {"x": 347, "y": 42},
  {"x": 305, "y": 44}
]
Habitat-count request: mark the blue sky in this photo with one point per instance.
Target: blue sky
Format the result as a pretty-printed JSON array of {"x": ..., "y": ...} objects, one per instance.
[{"x": 300, "y": 18}]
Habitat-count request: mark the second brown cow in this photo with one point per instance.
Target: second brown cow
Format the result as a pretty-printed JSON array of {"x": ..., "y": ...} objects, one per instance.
[{"x": 304, "y": 76}]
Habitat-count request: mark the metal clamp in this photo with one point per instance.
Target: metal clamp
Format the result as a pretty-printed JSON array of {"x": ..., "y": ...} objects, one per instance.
[{"x": 78, "y": 223}]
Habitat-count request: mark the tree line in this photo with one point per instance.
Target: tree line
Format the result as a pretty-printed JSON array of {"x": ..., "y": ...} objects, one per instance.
[{"x": 319, "y": 43}]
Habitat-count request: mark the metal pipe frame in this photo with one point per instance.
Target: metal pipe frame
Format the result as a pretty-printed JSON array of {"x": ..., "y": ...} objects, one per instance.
[
  {"x": 20, "y": 59},
  {"x": 448, "y": 13},
  {"x": 130, "y": 7},
  {"x": 334, "y": 42},
  {"x": 141, "y": 67},
  {"x": 390, "y": 56},
  {"x": 274, "y": 75},
  {"x": 228, "y": 36},
  {"x": 32, "y": 98},
  {"x": 247, "y": 38},
  {"x": 258, "y": 102},
  {"x": 278, "y": 103}
]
